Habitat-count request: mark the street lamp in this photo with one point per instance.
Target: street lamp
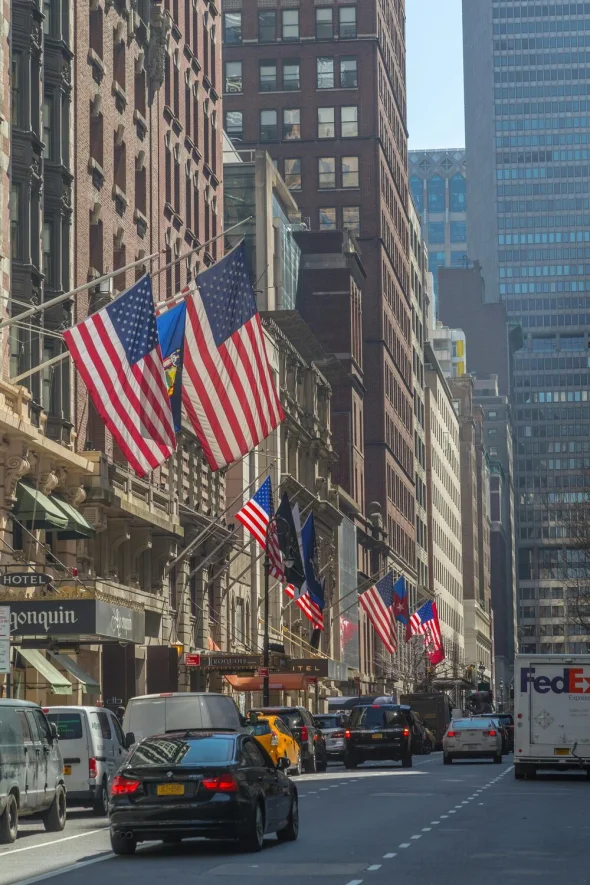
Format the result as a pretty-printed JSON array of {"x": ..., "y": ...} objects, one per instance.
[{"x": 289, "y": 560}]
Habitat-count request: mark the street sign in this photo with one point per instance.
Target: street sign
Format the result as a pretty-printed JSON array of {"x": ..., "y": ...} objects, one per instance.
[
  {"x": 192, "y": 660},
  {"x": 24, "y": 579},
  {"x": 263, "y": 671},
  {"x": 4, "y": 639}
]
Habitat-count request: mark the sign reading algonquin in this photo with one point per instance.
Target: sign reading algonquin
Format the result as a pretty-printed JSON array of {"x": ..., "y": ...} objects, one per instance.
[{"x": 76, "y": 617}]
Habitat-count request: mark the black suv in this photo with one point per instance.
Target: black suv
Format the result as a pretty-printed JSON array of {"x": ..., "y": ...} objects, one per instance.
[
  {"x": 314, "y": 755},
  {"x": 380, "y": 732}
]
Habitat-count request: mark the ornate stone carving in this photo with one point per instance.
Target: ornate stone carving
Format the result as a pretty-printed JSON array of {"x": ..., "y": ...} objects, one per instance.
[
  {"x": 48, "y": 481},
  {"x": 16, "y": 464},
  {"x": 76, "y": 495},
  {"x": 160, "y": 26}
]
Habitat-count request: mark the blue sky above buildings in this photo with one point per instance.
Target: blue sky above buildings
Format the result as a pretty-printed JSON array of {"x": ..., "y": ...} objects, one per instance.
[{"x": 435, "y": 74}]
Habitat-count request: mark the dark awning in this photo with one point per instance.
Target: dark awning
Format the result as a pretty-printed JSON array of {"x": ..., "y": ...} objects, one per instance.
[
  {"x": 78, "y": 527},
  {"x": 36, "y": 511}
]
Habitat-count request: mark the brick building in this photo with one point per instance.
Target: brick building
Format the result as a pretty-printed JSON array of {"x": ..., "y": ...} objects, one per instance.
[{"x": 322, "y": 87}]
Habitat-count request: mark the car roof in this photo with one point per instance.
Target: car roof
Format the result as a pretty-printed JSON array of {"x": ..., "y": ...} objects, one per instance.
[
  {"x": 17, "y": 702},
  {"x": 54, "y": 708},
  {"x": 187, "y": 733},
  {"x": 181, "y": 694},
  {"x": 276, "y": 710}
]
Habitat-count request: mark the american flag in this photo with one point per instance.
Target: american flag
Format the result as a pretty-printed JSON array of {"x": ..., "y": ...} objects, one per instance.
[
  {"x": 255, "y": 515},
  {"x": 377, "y": 602},
  {"x": 117, "y": 353},
  {"x": 425, "y": 623},
  {"x": 228, "y": 389}
]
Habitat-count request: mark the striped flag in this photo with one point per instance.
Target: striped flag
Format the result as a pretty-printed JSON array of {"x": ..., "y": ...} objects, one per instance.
[
  {"x": 228, "y": 390},
  {"x": 308, "y": 606},
  {"x": 425, "y": 623},
  {"x": 116, "y": 351},
  {"x": 377, "y": 602}
]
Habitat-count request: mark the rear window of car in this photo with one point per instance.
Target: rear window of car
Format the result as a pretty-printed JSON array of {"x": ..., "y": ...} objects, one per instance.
[
  {"x": 260, "y": 729},
  {"x": 293, "y": 720},
  {"x": 201, "y": 750},
  {"x": 470, "y": 723},
  {"x": 69, "y": 725},
  {"x": 370, "y": 716},
  {"x": 327, "y": 721},
  {"x": 506, "y": 720}
]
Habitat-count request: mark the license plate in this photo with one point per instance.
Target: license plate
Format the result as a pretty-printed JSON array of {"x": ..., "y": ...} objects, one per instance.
[
  {"x": 377, "y": 737},
  {"x": 170, "y": 790},
  {"x": 67, "y": 769},
  {"x": 561, "y": 751},
  {"x": 470, "y": 746}
]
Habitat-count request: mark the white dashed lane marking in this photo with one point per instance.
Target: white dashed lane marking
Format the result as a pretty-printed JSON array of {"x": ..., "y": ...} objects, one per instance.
[
  {"x": 389, "y": 856},
  {"x": 373, "y": 867}
]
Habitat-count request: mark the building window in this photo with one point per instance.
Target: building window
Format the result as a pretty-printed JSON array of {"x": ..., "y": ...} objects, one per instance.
[
  {"x": 326, "y": 172},
  {"x": 291, "y": 124},
  {"x": 326, "y": 127},
  {"x": 232, "y": 28},
  {"x": 48, "y": 105},
  {"x": 48, "y": 254},
  {"x": 325, "y": 73},
  {"x": 349, "y": 121},
  {"x": 268, "y": 76},
  {"x": 458, "y": 194},
  {"x": 324, "y": 25},
  {"x": 348, "y": 73},
  {"x": 350, "y": 171},
  {"x": 234, "y": 125},
  {"x": 293, "y": 174},
  {"x": 48, "y": 20},
  {"x": 351, "y": 219},
  {"x": 436, "y": 194},
  {"x": 233, "y": 76},
  {"x": 269, "y": 127},
  {"x": 327, "y": 219},
  {"x": 267, "y": 27},
  {"x": 458, "y": 232},
  {"x": 15, "y": 221},
  {"x": 417, "y": 187},
  {"x": 17, "y": 97},
  {"x": 347, "y": 22},
  {"x": 436, "y": 232},
  {"x": 291, "y": 75},
  {"x": 290, "y": 22}
]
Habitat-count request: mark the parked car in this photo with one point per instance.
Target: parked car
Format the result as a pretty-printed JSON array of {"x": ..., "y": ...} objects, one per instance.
[
  {"x": 31, "y": 769},
  {"x": 93, "y": 748},
  {"x": 380, "y": 732},
  {"x": 157, "y": 713},
  {"x": 216, "y": 785},
  {"x": 474, "y": 738},
  {"x": 277, "y": 739},
  {"x": 311, "y": 740},
  {"x": 332, "y": 726}
]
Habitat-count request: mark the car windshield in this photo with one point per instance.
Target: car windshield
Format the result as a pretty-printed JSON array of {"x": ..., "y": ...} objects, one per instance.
[
  {"x": 327, "y": 721},
  {"x": 69, "y": 725},
  {"x": 458, "y": 724},
  {"x": 376, "y": 716},
  {"x": 194, "y": 750},
  {"x": 259, "y": 729}
]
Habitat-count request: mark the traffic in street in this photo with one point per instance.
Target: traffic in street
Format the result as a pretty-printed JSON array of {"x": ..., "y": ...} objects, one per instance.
[{"x": 429, "y": 824}]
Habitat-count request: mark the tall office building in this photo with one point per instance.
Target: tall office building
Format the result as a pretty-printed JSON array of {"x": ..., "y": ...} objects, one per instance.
[
  {"x": 322, "y": 86},
  {"x": 438, "y": 185},
  {"x": 527, "y": 117}
]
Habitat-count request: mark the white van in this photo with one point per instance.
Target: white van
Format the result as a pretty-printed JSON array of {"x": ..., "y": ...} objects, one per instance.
[
  {"x": 174, "y": 711},
  {"x": 93, "y": 748}
]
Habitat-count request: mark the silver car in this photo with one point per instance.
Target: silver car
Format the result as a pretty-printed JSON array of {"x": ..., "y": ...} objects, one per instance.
[
  {"x": 332, "y": 726},
  {"x": 472, "y": 739}
]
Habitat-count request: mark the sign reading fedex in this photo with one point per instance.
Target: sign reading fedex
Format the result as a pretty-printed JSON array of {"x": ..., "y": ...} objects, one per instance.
[{"x": 572, "y": 680}]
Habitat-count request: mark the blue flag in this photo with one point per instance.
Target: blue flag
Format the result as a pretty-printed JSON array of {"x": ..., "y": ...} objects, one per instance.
[
  {"x": 314, "y": 586},
  {"x": 171, "y": 334},
  {"x": 400, "y": 601}
]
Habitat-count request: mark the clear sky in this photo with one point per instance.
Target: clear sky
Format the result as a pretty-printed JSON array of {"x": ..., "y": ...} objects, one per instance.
[{"x": 435, "y": 74}]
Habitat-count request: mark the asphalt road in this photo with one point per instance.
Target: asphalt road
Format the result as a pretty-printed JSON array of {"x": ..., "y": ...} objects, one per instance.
[{"x": 460, "y": 825}]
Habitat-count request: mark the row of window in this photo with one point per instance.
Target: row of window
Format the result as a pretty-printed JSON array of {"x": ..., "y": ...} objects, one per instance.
[
  {"x": 544, "y": 431},
  {"x": 511, "y": 290},
  {"x": 331, "y": 73},
  {"x": 436, "y": 232},
  {"x": 552, "y": 396},
  {"x": 436, "y": 193},
  {"x": 339, "y": 122},
  {"x": 536, "y": 11},
  {"x": 542, "y": 27},
  {"x": 550, "y": 270},
  {"x": 542, "y": 107},
  {"x": 542, "y": 238},
  {"x": 284, "y": 25},
  {"x": 506, "y": 92},
  {"x": 545, "y": 59}
]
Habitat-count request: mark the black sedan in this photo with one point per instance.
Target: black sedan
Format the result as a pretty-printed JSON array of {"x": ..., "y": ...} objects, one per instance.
[{"x": 187, "y": 784}]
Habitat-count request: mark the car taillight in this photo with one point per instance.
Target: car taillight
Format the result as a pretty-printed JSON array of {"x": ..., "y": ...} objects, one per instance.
[
  {"x": 347, "y": 733},
  {"x": 339, "y": 734},
  {"x": 92, "y": 768},
  {"x": 492, "y": 733},
  {"x": 406, "y": 732},
  {"x": 121, "y": 786},
  {"x": 225, "y": 783},
  {"x": 304, "y": 732},
  {"x": 274, "y": 741},
  {"x": 451, "y": 734}
]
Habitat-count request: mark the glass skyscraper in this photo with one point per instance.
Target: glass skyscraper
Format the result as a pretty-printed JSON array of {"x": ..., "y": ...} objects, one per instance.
[{"x": 527, "y": 103}]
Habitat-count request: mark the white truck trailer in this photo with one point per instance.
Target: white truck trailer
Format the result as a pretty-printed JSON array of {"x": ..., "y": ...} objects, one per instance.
[{"x": 551, "y": 713}]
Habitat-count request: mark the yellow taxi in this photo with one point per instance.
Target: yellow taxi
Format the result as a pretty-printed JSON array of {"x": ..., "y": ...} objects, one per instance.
[{"x": 277, "y": 740}]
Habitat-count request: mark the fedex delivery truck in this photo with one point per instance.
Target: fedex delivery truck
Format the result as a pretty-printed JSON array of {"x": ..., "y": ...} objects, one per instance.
[{"x": 551, "y": 713}]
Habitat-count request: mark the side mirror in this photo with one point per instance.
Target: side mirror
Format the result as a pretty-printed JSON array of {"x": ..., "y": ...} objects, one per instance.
[
  {"x": 283, "y": 764},
  {"x": 53, "y": 730},
  {"x": 129, "y": 740}
]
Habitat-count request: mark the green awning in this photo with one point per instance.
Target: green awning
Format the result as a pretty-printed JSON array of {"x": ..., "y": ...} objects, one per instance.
[
  {"x": 59, "y": 684},
  {"x": 36, "y": 511},
  {"x": 88, "y": 682},
  {"x": 77, "y": 527}
]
